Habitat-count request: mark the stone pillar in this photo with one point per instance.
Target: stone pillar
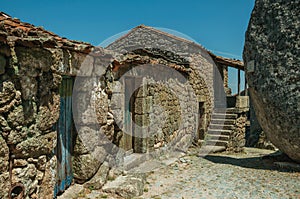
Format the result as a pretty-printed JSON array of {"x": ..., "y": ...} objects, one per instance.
[{"x": 225, "y": 79}]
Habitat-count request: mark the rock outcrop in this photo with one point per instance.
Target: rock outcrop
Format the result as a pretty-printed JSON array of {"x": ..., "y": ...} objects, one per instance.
[{"x": 272, "y": 60}]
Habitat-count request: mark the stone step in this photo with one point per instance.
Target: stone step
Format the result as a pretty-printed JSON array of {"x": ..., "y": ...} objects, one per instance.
[
  {"x": 223, "y": 121},
  {"x": 218, "y": 132},
  {"x": 216, "y": 143},
  {"x": 217, "y": 137},
  {"x": 223, "y": 116},
  {"x": 134, "y": 160},
  {"x": 205, "y": 150},
  {"x": 219, "y": 126},
  {"x": 225, "y": 110}
]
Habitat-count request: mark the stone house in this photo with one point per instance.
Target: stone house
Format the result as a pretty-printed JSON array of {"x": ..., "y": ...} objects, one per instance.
[{"x": 73, "y": 112}]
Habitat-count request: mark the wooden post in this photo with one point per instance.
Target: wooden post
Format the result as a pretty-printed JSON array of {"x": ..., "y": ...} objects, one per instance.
[
  {"x": 246, "y": 86},
  {"x": 239, "y": 81}
]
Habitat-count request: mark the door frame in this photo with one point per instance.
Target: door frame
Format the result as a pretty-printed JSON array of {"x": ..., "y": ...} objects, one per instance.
[{"x": 65, "y": 132}]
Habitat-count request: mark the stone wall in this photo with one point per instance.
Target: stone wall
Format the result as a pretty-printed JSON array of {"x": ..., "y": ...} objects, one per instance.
[
  {"x": 237, "y": 138},
  {"x": 32, "y": 63},
  {"x": 170, "y": 47},
  {"x": 164, "y": 95},
  {"x": 32, "y": 66},
  {"x": 29, "y": 108},
  {"x": 203, "y": 74}
]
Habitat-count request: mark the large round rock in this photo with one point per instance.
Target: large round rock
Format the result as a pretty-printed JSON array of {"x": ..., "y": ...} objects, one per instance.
[{"x": 272, "y": 58}]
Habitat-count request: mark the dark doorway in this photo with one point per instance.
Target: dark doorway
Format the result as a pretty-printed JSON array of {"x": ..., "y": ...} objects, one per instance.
[
  {"x": 131, "y": 142},
  {"x": 201, "y": 121}
]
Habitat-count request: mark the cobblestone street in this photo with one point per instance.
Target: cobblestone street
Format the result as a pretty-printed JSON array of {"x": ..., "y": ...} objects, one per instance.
[
  {"x": 243, "y": 175},
  {"x": 223, "y": 176}
]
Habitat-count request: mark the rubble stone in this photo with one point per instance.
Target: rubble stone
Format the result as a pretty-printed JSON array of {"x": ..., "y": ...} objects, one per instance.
[
  {"x": 85, "y": 166},
  {"x": 100, "y": 178}
]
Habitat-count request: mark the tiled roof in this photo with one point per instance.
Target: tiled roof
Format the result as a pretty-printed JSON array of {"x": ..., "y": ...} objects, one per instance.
[{"x": 12, "y": 29}]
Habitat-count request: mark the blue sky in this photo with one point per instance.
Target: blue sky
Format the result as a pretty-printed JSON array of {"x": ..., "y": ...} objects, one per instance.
[{"x": 218, "y": 25}]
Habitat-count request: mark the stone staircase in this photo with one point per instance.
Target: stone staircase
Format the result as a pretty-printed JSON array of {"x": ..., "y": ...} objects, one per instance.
[{"x": 222, "y": 123}]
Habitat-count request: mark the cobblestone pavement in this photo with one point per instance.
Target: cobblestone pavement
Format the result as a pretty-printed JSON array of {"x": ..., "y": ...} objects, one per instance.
[
  {"x": 242, "y": 176},
  {"x": 223, "y": 176}
]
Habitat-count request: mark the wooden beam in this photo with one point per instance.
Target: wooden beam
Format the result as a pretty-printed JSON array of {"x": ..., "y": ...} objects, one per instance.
[{"x": 228, "y": 62}]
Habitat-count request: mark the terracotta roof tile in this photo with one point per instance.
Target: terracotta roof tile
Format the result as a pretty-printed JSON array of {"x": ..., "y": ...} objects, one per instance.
[{"x": 25, "y": 31}]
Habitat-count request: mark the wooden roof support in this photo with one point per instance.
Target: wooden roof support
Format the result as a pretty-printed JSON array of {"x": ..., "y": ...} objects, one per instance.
[{"x": 228, "y": 62}]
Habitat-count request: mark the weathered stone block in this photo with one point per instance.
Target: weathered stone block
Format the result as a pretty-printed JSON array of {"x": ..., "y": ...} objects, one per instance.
[
  {"x": 99, "y": 178},
  {"x": 29, "y": 87},
  {"x": 37, "y": 146},
  {"x": 16, "y": 117},
  {"x": 4, "y": 127},
  {"x": 100, "y": 67},
  {"x": 4, "y": 153},
  {"x": 20, "y": 163},
  {"x": 117, "y": 101},
  {"x": 16, "y": 136},
  {"x": 7, "y": 93},
  {"x": 101, "y": 107},
  {"x": 142, "y": 120},
  {"x": 34, "y": 57},
  {"x": 119, "y": 117},
  {"x": 48, "y": 181},
  {"x": 242, "y": 102},
  {"x": 127, "y": 186},
  {"x": 117, "y": 87},
  {"x": 86, "y": 166},
  {"x": 49, "y": 113},
  {"x": 84, "y": 84},
  {"x": 86, "y": 67},
  {"x": 88, "y": 139},
  {"x": 41, "y": 163},
  {"x": 76, "y": 61},
  {"x": 4, "y": 184},
  {"x": 81, "y": 103}
]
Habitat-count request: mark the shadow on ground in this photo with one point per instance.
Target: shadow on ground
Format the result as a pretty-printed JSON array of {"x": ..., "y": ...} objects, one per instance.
[{"x": 265, "y": 162}]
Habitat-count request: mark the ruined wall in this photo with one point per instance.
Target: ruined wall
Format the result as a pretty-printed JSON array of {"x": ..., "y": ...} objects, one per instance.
[{"x": 271, "y": 56}]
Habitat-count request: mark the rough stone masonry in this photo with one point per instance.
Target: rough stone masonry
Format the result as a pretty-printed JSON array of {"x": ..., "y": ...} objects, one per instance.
[
  {"x": 272, "y": 60},
  {"x": 33, "y": 63}
]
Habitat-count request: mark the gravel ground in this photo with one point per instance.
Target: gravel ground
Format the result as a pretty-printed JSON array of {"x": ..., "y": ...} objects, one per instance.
[
  {"x": 242, "y": 176},
  {"x": 223, "y": 176}
]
